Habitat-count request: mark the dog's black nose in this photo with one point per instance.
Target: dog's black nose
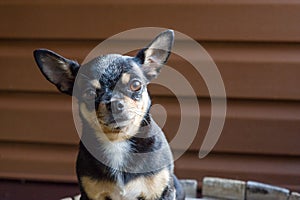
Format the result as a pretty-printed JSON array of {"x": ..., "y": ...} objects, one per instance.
[{"x": 117, "y": 106}]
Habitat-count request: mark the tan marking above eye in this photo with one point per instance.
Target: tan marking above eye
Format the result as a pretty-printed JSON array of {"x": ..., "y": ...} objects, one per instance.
[
  {"x": 96, "y": 84},
  {"x": 125, "y": 78}
]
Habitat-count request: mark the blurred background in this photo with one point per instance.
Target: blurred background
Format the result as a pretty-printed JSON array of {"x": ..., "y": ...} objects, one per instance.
[{"x": 255, "y": 45}]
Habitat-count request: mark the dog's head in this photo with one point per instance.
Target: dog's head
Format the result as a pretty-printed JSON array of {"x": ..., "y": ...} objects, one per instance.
[{"x": 111, "y": 89}]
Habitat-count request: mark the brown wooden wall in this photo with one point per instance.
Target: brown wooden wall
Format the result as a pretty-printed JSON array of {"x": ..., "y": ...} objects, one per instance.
[{"x": 255, "y": 44}]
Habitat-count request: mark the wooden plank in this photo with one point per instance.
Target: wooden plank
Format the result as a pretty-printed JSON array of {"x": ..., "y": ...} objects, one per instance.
[
  {"x": 250, "y": 71},
  {"x": 260, "y": 127},
  {"x": 22, "y": 73},
  {"x": 43, "y": 118},
  {"x": 266, "y": 20},
  {"x": 20, "y": 189},
  {"x": 38, "y": 162}
]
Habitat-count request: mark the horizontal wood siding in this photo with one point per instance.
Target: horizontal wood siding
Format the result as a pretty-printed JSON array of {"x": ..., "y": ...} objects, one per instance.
[
  {"x": 265, "y": 20},
  {"x": 255, "y": 45},
  {"x": 251, "y": 71}
]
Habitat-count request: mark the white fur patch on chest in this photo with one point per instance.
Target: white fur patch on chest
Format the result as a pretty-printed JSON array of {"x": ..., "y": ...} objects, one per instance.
[{"x": 115, "y": 153}]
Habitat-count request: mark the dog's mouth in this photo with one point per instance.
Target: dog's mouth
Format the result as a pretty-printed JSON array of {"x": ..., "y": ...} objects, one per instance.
[{"x": 115, "y": 125}]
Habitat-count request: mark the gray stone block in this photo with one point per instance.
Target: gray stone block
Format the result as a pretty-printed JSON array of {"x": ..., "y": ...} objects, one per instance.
[
  {"x": 202, "y": 199},
  {"x": 260, "y": 191},
  {"x": 294, "y": 196},
  {"x": 190, "y": 187},
  {"x": 223, "y": 188},
  {"x": 77, "y": 197},
  {"x": 193, "y": 199}
]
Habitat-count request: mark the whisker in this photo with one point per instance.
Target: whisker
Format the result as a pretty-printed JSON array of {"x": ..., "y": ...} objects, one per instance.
[
  {"x": 85, "y": 76},
  {"x": 136, "y": 112},
  {"x": 140, "y": 114}
]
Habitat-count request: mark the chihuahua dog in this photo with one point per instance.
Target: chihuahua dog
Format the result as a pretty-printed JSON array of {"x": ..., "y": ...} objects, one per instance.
[{"x": 123, "y": 154}]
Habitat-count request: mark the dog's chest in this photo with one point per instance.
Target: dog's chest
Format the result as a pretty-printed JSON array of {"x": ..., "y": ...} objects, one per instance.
[
  {"x": 143, "y": 187},
  {"x": 115, "y": 155}
]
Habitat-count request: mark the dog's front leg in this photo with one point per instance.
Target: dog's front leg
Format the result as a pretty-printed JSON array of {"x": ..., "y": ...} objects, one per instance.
[{"x": 168, "y": 194}]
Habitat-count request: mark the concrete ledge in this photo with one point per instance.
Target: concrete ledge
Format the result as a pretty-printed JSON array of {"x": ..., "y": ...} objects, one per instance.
[
  {"x": 220, "y": 188},
  {"x": 294, "y": 196},
  {"x": 256, "y": 191},
  {"x": 190, "y": 188},
  {"x": 229, "y": 189},
  {"x": 224, "y": 188}
]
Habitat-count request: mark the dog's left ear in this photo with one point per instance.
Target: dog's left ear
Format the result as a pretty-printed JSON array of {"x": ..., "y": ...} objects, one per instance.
[
  {"x": 58, "y": 70},
  {"x": 156, "y": 54}
]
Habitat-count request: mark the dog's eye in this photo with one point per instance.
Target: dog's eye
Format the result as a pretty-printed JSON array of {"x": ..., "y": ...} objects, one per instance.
[
  {"x": 135, "y": 85},
  {"x": 90, "y": 94}
]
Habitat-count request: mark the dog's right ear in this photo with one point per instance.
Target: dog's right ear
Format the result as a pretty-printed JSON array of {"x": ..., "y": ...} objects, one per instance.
[
  {"x": 57, "y": 69},
  {"x": 156, "y": 54}
]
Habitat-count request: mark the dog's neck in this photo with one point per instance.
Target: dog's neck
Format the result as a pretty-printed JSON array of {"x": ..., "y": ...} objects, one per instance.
[{"x": 121, "y": 155}]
